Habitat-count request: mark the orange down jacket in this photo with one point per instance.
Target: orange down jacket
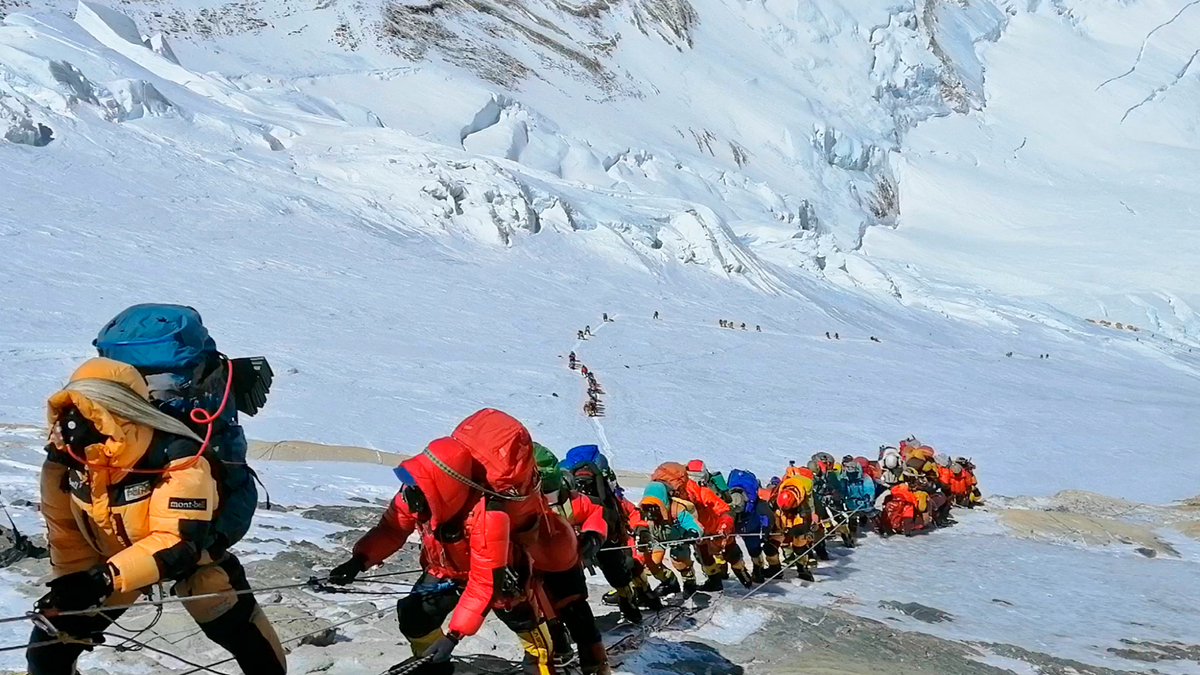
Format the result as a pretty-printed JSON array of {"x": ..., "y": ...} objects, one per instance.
[{"x": 148, "y": 526}]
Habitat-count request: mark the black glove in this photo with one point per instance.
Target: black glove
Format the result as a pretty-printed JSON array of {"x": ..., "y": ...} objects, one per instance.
[
  {"x": 589, "y": 545},
  {"x": 348, "y": 571},
  {"x": 78, "y": 590},
  {"x": 643, "y": 538},
  {"x": 440, "y": 651},
  {"x": 252, "y": 379}
]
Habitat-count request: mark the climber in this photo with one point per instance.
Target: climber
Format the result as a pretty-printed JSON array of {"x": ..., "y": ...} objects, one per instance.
[
  {"x": 579, "y": 334},
  {"x": 974, "y": 497},
  {"x": 891, "y": 467},
  {"x": 793, "y": 529},
  {"x": 711, "y": 511},
  {"x": 486, "y": 535},
  {"x": 859, "y": 494},
  {"x": 902, "y": 507},
  {"x": 960, "y": 489},
  {"x": 568, "y": 589},
  {"x": 656, "y": 315},
  {"x": 587, "y": 330},
  {"x": 130, "y": 499},
  {"x": 751, "y": 517},
  {"x": 731, "y": 554},
  {"x": 757, "y": 329},
  {"x": 571, "y": 360},
  {"x": 592, "y": 476},
  {"x": 668, "y": 522},
  {"x": 827, "y": 501}
]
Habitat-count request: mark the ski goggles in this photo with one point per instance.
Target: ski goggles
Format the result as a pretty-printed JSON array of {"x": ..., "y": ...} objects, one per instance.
[{"x": 412, "y": 495}]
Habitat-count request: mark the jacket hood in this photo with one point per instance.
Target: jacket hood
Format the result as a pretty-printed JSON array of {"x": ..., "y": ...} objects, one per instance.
[
  {"x": 673, "y": 474},
  {"x": 127, "y": 441},
  {"x": 503, "y": 447},
  {"x": 446, "y": 495}
]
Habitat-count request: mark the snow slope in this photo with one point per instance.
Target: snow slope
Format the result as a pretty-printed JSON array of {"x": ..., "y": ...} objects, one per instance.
[{"x": 1075, "y": 179}]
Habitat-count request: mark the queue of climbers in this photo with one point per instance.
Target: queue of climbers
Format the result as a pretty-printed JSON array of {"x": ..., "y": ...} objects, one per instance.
[
  {"x": 507, "y": 527},
  {"x": 145, "y": 482},
  {"x": 725, "y": 323},
  {"x": 594, "y": 405}
]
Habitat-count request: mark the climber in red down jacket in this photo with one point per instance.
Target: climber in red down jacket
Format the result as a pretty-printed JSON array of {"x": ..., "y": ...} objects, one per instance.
[{"x": 472, "y": 563}]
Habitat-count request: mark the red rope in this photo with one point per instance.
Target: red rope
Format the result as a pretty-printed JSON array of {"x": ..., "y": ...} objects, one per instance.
[{"x": 198, "y": 415}]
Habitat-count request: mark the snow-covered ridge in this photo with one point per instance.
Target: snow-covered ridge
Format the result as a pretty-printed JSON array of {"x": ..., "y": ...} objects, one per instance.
[
  {"x": 708, "y": 178},
  {"x": 787, "y": 131}
]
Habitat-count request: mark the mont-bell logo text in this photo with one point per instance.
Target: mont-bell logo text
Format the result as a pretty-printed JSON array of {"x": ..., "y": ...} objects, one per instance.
[{"x": 187, "y": 504}]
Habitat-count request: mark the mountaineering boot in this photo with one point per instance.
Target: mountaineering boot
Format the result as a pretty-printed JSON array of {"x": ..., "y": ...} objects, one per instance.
[
  {"x": 690, "y": 587},
  {"x": 822, "y": 551},
  {"x": 629, "y": 610},
  {"x": 611, "y": 599},
  {"x": 712, "y": 584},
  {"x": 626, "y": 601},
  {"x": 758, "y": 576},
  {"x": 743, "y": 576},
  {"x": 804, "y": 572},
  {"x": 564, "y": 653},
  {"x": 773, "y": 571},
  {"x": 649, "y": 599},
  {"x": 668, "y": 587}
]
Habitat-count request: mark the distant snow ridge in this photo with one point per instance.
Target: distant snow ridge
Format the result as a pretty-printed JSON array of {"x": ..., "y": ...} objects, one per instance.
[{"x": 741, "y": 140}]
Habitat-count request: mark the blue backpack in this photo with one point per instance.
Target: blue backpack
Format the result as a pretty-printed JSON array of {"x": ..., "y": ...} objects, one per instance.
[
  {"x": 172, "y": 349},
  {"x": 747, "y": 483},
  {"x": 860, "y": 492},
  {"x": 582, "y": 454}
]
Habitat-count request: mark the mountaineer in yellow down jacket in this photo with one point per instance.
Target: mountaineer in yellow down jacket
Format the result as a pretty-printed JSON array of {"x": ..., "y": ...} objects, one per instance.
[{"x": 129, "y": 498}]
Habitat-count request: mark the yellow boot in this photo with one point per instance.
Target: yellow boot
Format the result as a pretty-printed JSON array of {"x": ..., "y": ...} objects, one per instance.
[{"x": 539, "y": 651}]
